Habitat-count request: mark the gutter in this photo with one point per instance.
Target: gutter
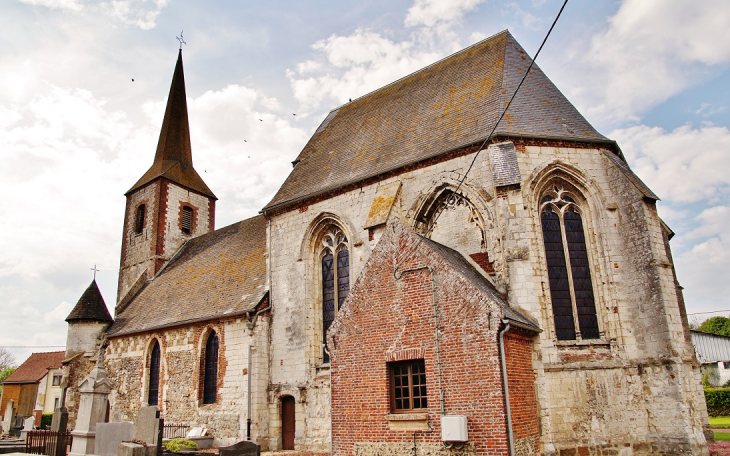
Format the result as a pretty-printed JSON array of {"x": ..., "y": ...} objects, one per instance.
[{"x": 508, "y": 410}]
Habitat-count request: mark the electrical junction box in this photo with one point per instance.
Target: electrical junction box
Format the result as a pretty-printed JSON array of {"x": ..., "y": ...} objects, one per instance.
[{"x": 453, "y": 428}]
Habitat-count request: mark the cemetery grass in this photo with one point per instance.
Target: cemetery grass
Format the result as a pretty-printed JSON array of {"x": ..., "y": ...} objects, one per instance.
[
  {"x": 722, "y": 436},
  {"x": 720, "y": 422}
]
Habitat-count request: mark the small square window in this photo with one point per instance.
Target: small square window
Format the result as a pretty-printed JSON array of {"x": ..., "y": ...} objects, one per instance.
[
  {"x": 408, "y": 386},
  {"x": 57, "y": 380},
  {"x": 726, "y": 365}
]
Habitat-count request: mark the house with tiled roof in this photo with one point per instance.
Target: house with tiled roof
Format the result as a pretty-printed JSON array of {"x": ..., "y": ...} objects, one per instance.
[
  {"x": 34, "y": 387},
  {"x": 450, "y": 267}
]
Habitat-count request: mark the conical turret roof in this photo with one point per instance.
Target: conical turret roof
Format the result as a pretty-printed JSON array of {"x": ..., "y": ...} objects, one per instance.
[
  {"x": 91, "y": 306},
  {"x": 174, "y": 156}
]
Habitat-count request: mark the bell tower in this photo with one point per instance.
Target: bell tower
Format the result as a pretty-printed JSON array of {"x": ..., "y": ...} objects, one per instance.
[{"x": 169, "y": 204}]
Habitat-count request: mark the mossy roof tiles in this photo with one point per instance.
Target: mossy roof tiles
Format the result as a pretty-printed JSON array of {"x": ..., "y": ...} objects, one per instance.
[
  {"x": 216, "y": 275},
  {"x": 448, "y": 105}
]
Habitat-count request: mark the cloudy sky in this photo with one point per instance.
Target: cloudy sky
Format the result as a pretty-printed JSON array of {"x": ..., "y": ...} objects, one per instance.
[{"x": 83, "y": 85}]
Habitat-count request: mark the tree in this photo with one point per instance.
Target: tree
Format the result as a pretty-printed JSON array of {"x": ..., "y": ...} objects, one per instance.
[
  {"x": 7, "y": 365},
  {"x": 716, "y": 325}
]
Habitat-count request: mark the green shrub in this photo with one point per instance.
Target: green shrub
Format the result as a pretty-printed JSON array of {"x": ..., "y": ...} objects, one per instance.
[
  {"x": 46, "y": 420},
  {"x": 174, "y": 445},
  {"x": 718, "y": 401}
]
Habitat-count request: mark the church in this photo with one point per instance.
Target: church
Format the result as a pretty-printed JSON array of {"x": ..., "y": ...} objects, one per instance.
[{"x": 436, "y": 275}]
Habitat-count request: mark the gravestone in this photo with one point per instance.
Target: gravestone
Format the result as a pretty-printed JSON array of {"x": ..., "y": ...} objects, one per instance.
[
  {"x": 8, "y": 416},
  {"x": 242, "y": 448},
  {"x": 196, "y": 432},
  {"x": 148, "y": 427},
  {"x": 110, "y": 435},
  {"x": 59, "y": 423},
  {"x": 28, "y": 425},
  {"x": 94, "y": 390},
  {"x": 134, "y": 449}
]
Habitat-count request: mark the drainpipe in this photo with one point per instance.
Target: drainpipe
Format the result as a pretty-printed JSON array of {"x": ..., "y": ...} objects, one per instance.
[
  {"x": 248, "y": 397},
  {"x": 436, "y": 327},
  {"x": 508, "y": 410}
]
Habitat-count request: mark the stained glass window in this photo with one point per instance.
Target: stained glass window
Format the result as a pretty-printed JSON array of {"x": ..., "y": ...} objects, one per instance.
[
  {"x": 154, "y": 388},
  {"x": 335, "y": 279},
  {"x": 569, "y": 273},
  {"x": 210, "y": 383}
]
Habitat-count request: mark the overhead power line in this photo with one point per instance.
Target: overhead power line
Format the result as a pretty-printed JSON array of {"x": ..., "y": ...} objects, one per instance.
[{"x": 496, "y": 124}]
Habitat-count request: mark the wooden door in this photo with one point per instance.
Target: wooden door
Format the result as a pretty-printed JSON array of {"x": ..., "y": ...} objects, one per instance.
[{"x": 287, "y": 423}]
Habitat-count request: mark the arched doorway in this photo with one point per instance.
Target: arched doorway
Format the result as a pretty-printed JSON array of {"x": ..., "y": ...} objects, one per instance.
[{"x": 288, "y": 421}]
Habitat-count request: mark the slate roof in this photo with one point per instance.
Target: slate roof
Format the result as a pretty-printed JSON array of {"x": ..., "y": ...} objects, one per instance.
[
  {"x": 468, "y": 271},
  {"x": 448, "y": 105},
  {"x": 219, "y": 274},
  {"x": 174, "y": 156},
  {"x": 36, "y": 367},
  {"x": 710, "y": 348},
  {"x": 91, "y": 306}
]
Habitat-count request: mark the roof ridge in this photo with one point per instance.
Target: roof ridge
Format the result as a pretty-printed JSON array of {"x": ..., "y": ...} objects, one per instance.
[{"x": 421, "y": 70}]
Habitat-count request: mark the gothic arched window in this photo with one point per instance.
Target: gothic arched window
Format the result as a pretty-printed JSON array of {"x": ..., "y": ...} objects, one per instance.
[
  {"x": 154, "y": 384},
  {"x": 210, "y": 375},
  {"x": 335, "y": 260},
  {"x": 569, "y": 272}
]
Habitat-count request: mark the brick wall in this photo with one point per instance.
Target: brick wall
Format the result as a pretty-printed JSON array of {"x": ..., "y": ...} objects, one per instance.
[
  {"x": 161, "y": 236},
  {"x": 395, "y": 320}
]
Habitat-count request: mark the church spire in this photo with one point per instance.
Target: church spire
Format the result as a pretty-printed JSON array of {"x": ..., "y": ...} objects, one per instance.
[{"x": 174, "y": 157}]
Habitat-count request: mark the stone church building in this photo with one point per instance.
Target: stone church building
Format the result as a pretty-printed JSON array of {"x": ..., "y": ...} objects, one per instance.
[{"x": 385, "y": 302}]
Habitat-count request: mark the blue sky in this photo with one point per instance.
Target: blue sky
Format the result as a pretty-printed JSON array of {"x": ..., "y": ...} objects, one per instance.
[{"x": 76, "y": 132}]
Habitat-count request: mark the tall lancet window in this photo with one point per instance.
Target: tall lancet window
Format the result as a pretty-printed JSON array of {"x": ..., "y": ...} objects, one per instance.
[
  {"x": 154, "y": 385},
  {"x": 210, "y": 375},
  {"x": 571, "y": 287},
  {"x": 335, "y": 259}
]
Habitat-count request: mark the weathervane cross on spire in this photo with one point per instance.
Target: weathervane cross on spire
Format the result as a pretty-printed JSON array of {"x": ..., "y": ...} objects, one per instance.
[
  {"x": 95, "y": 271},
  {"x": 180, "y": 39}
]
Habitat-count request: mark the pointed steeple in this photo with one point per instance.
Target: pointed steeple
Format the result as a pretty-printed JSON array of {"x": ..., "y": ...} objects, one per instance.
[
  {"x": 91, "y": 306},
  {"x": 174, "y": 157}
]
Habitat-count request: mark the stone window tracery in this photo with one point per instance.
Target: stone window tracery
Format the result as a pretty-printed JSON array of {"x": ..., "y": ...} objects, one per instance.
[
  {"x": 569, "y": 272},
  {"x": 335, "y": 264}
]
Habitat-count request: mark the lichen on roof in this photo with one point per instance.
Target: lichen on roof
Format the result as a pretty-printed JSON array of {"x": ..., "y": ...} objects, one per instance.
[
  {"x": 219, "y": 274},
  {"x": 448, "y": 105}
]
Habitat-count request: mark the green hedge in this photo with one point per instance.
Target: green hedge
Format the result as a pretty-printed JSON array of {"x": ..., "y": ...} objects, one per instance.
[
  {"x": 718, "y": 401},
  {"x": 46, "y": 420}
]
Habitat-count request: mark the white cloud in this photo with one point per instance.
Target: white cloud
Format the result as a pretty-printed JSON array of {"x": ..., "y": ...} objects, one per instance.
[
  {"x": 702, "y": 270},
  {"x": 685, "y": 165},
  {"x": 438, "y": 12},
  {"x": 140, "y": 13},
  {"x": 651, "y": 50}
]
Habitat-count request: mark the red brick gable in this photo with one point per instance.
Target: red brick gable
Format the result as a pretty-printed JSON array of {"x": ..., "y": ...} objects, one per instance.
[{"x": 390, "y": 317}]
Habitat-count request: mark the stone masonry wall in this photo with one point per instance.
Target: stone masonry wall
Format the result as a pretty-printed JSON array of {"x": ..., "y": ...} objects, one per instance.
[
  {"x": 161, "y": 235},
  {"x": 180, "y": 400},
  {"x": 637, "y": 305}
]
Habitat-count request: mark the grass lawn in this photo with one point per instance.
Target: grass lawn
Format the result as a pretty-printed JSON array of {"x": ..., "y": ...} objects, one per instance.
[
  {"x": 722, "y": 436},
  {"x": 720, "y": 421}
]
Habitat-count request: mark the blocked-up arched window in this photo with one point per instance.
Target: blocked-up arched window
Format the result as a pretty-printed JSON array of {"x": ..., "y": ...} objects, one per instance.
[
  {"x": 335, "y": 262},
  {"x": 569, "y": 272},
  {"x": 210, "y": 375},
  {"x": 154, "y": 380}
]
